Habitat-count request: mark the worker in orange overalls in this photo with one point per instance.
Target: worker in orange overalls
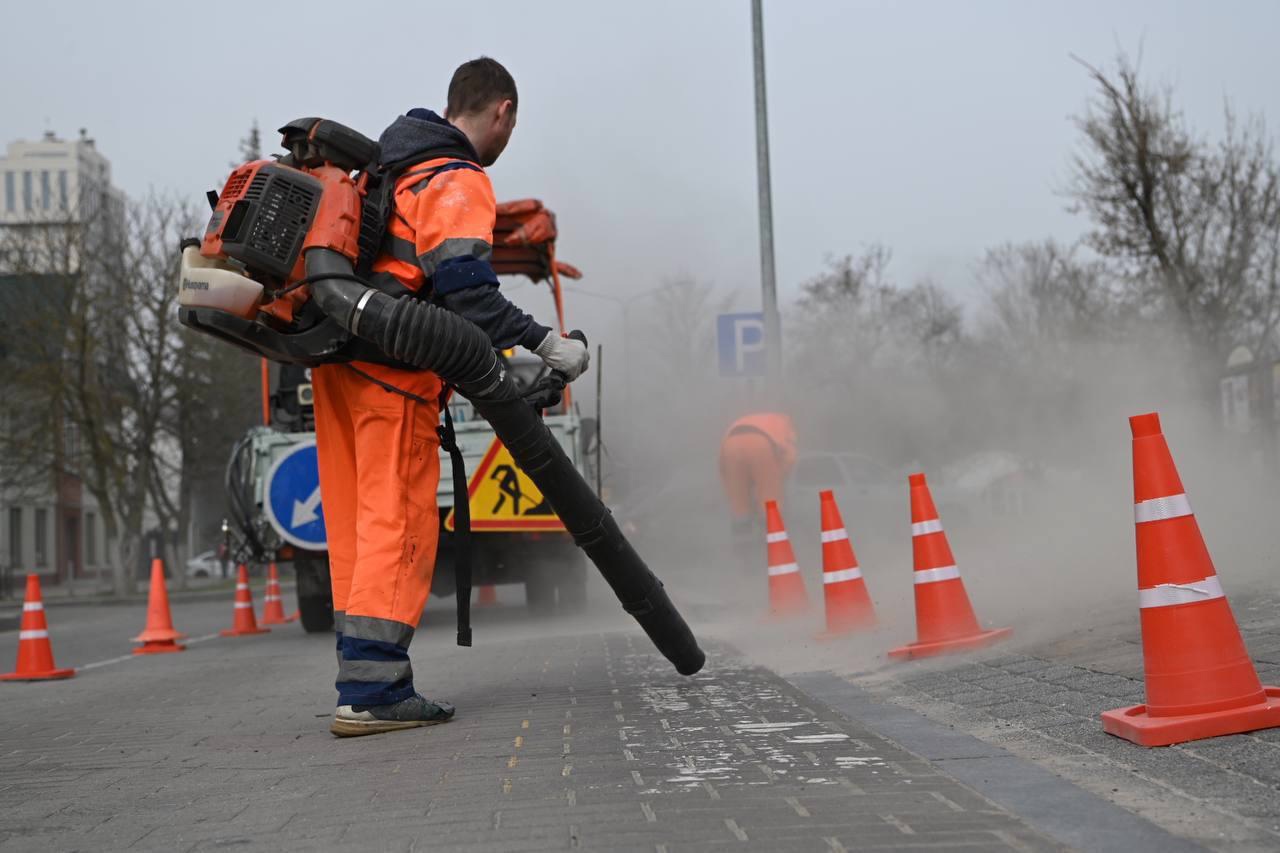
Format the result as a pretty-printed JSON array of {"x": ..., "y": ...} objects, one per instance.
[
  {"x": 376, "y": 425},
  {"x": 756, "y": 457}
]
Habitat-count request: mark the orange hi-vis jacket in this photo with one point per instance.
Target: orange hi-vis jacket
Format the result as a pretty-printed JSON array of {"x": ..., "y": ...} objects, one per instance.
[{"x": 756, "y": 457}]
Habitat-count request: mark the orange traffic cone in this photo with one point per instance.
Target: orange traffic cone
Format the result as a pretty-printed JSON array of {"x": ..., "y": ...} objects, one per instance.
[
  {"x": 945, "y": 620},
  {"x": 1200, "y": 680},
  {"x": 849, "y": 605},
  {"x": 244, "y": 622},
  {"x": 272, "y": 604},
  {"x": 158, "y": 637},
  {"x": 786, "y": 587},
  {"x": 35, "y": 652},
  {"x": 488, "y": 595}
]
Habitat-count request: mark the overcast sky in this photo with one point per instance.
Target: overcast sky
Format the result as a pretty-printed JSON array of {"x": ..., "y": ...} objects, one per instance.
[{"x": 937, "y": 128}]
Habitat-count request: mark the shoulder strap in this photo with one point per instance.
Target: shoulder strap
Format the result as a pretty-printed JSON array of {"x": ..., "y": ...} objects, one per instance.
[
  {"x": 461, "y": 503},
  {"x": 461, "y": 520}
]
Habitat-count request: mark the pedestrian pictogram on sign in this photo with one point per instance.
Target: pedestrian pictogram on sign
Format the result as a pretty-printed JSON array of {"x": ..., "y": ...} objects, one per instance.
[{"x": 504, "y": 499}]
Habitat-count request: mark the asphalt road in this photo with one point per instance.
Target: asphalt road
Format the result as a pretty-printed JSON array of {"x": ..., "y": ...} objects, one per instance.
[{"x": 570, "y": 735}]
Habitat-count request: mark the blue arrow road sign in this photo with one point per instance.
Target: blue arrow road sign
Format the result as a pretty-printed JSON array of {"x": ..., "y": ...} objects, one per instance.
[
  {"x": 292, "y": 501},
  {"x": 740, "y": 344}
]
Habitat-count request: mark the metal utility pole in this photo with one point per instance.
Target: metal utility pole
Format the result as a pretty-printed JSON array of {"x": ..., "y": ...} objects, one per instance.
[{"x": 768, "y": 280}]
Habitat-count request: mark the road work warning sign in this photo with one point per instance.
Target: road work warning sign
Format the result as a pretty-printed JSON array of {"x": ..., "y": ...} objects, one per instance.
[{"x": 504, "y": 499}]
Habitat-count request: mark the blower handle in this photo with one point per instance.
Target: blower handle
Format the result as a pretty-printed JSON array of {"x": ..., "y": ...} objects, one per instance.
[{"x": 547, "y": 392}]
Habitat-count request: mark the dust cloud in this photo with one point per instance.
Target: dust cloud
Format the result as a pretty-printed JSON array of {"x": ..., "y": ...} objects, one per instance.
[{"x": 1044, "y": 542}]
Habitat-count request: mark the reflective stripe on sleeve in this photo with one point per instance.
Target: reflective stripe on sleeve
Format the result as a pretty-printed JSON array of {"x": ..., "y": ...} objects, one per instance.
[
  {"x": 842, "y": 575},
  {"x": 784, "y": 569},
  {"x": 923, "y": 528},
  {"x": 780, "y": 536},
  {"x": 1169, "y": 594},
  {"x": 1160, "y": 509},
  {"x": 942, "y": 573},
  {"x": 838, "y": 535},
  {"x": 37, "y": 634}
]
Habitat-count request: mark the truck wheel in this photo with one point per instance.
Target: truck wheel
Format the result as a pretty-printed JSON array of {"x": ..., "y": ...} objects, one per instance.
[
  {"x": 572, "y": 585},
  {"x": 540, "y": 590},
  {"x": 315, "y": 594}
]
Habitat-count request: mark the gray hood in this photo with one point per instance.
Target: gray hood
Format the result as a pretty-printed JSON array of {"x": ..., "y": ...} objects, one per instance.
[{"x": 424, "y": 135}]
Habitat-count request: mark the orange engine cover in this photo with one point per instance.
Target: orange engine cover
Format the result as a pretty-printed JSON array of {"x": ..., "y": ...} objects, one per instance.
[{"x": 268, "y": 214}]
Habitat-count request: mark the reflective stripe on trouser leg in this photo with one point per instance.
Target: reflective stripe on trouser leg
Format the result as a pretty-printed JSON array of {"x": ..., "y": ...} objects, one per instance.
[{"x": 374, "y": 667}]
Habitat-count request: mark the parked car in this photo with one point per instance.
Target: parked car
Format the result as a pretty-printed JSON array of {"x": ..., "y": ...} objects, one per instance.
[{"x": 204, "y": 565}]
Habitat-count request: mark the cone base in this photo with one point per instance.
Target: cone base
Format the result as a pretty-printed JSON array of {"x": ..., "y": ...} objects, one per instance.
[
  {"x": 159, "y": 647},
  {"x": 283, "y": 620},
  {"x": 47, "y": 675},
  {"x": 241, "y": 632},
  {"x": 159, "y": 637},
  {"x": 1133, "y": 723},
  {"x": 944, "y": 647}
]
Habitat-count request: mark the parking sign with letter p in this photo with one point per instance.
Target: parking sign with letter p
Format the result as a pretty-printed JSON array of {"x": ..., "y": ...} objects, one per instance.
[{"x": 741, "y": 344}]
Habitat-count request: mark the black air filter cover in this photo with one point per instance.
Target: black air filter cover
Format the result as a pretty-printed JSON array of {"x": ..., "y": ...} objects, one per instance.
[{"x": 267, "y": 226}]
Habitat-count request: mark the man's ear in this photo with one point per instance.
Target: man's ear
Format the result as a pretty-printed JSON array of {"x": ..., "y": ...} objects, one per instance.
[{"x": 505, "y": 109}]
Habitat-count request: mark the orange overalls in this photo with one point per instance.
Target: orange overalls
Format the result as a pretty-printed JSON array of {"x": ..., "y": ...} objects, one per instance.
[
  {"x": 756, "y": 457},
  {"x": 378, "y": 450}
]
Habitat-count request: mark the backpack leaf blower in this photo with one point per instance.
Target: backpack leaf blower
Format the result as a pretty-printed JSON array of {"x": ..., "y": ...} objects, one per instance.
[{"x": 276, "y": 273}]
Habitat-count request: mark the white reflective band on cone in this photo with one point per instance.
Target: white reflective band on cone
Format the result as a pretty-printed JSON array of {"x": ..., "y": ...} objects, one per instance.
[
  {"x": 241, "y": 605},
  {"x": 842, "y": 575},
  {"x": 1168, "y": 594},
  {"x": 838, "y": 535},
  {"x": 784, "y": 569},
  {"x": 241, "y": 586},
  {"x": 780, "y": 536},
  {"x": 28, "y": 606},
  {"x": 1159, "y": 509},
  {"x": 923, "y": 528},
  {"x": 38, "y": 634},
  {"x": 942, "y": 573}
]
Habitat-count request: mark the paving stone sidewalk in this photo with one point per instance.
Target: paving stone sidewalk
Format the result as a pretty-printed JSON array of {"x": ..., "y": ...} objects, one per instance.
[
  {"x": 1042, "y": 702},
  {"x": 579, "y": 742}
]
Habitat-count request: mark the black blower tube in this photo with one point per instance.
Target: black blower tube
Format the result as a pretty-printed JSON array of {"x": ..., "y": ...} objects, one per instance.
[{"x": 427, "y": 336}]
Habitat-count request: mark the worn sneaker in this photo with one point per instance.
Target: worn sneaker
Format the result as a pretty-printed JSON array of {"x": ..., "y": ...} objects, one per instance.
[{"x": 356, "y": 720}]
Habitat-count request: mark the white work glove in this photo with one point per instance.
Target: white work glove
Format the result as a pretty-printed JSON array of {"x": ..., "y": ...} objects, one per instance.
[{"x": 566, "y": 355}]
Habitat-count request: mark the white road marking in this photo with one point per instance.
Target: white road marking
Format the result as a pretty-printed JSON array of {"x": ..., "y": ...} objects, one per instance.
[{"x": 122, "y": 658}]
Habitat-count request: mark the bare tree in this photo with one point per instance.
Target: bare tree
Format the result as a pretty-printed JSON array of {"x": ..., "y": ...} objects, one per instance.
[
  {"x": 1193, "y": 227},
  {"x": 150, "y": 407},
  {"x": 853, "y": 317},
  {"x": 855, "y": 335},
  {"x": 250, "y": 145},
  {"x": 1044, "y": 298}
]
